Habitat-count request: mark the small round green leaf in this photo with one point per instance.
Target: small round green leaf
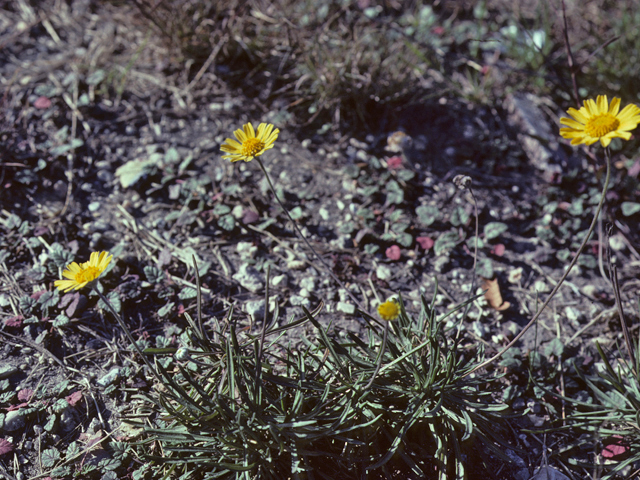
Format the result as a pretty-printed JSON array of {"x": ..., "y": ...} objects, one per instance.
[
  {"x": 227, "y": 222},
  {"x": 494, "y": 229},
  {"x": 629, "y": 208}
]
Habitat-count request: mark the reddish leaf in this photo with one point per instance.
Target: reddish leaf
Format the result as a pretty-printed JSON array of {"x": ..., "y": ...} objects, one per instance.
[
  {"x": 635, "y": 169},
  {"x": 74, "y": 398},
  {"x": 38, "y": 294},
  {"x": 393, "y": 252},
  {"x": 425, "y": 242},
  {"x": 42, "y": 103},
  {"x": 68, "y": 299},
  {"x": 394, "y": 162},
  {"x": 498, "y": 250},
  {"x": 614, "y": 449},
  {"x": 14, "y": 321},
  {"x": 41, "y": 230},
  {"x": 5, "y": 446},
  {"x": 25, "y": 394},
  {"x": 249, "y": 216}
]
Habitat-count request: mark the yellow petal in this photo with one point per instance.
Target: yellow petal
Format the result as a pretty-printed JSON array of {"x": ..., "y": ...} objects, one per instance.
[
  {"x": 579, "y": 115},
  {"x": 273, "y": 137},
  {"x": 628, "y": 112},
  {"x": 603, "y": 104},
  {"x": 628, "y": 125},
  {"x": 240, "y": 135},
  {"x": 591, "y": 107},
  {"x": 104, "y": 260},
  {"x": 572, "y": 123},
  {"x": 230, "y": 145},
  {"x": 249, "y": 131},
  {"x": 614, "y": 108}
]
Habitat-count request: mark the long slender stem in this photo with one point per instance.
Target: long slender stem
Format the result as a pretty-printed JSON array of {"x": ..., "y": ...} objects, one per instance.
[
  {"x": 623, "y": 323},
  {"x": 299, "y": 232},
  {"x": 564, "y": 277},
  {"x": 472, "y": 292}
]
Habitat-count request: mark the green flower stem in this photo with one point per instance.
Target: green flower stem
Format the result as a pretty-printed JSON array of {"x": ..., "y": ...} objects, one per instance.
[
  {"x": 564, "y": 277},
  {"x": 299, "y": 232},
  {"x": 472, "y": 292},
  {"x": 126, "y": 331}
]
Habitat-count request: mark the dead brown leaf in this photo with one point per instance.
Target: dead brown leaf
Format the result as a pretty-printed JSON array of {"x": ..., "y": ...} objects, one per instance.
[{"x": 493, "y": 295}]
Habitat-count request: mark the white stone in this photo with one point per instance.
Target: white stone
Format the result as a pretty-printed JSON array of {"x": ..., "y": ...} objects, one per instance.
[
  {"x": 346, "y": 308},
  {"x": 383, "y": 272}
]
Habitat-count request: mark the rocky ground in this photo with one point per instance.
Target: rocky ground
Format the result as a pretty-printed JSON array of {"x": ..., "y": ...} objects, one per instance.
[{"x": 138, "y": 171}]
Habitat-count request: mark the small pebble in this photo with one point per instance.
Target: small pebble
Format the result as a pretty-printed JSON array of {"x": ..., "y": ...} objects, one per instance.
[
  {"x": 346, "y": 308},
  {"x": 308, "y": 283},
  {"x": 255, "y": 309},
  {"x": 7, "y": 371},
  {"x": 297, "y": 300},
  {"x": 249, "y": 278},
  {"x": 279, "y": 280},
  {"x": 383, "y": 272},
  {"x": 110, "y": 378},
  {"x": 14, "y": 420}
]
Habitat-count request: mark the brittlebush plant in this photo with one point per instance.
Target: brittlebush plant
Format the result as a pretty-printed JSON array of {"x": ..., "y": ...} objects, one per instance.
[{"x": 245, "y": 407}]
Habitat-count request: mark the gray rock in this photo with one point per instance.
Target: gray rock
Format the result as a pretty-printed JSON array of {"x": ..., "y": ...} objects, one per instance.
[
  {"x": 255, "y": 309},
  {"x": 279, "y": 280},
  {"x": 346, "y": 308},
  {"x": 520, "y": 464},
  {"x": 249, "y": 278},
  {"x": 538, "y": 141},
  {"x": 69, "y": 420},
  {"x": 308, "y": 283},
  {"x": 573, "y": 315},
  {"x": 14, "y": 420},
  {"x": 383, "y": 272},
  {"x": 297, "y": 300},
  {"x": 110, "y": 378},
  {"x": 7, "y": 371}
]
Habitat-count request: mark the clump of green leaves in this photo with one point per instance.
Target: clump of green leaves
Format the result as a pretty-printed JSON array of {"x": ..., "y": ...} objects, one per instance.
[
  {"x": 609, "y": 418},
  {"x": 242, "y": 405}
]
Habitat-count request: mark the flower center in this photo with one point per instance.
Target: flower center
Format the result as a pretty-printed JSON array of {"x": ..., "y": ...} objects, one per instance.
[
  {"x": 87, "y": 275},
  {"x": 601, "y": 125},
  {"x": 251, "y": 147}
]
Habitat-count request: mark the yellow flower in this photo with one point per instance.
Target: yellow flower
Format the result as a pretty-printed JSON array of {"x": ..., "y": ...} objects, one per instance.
[
  {"x": 250, "y": 145},
  {"x": 600, "y": 121},
  {"x": 80, "y": 275},
  {"x": 389, "y": 310}
]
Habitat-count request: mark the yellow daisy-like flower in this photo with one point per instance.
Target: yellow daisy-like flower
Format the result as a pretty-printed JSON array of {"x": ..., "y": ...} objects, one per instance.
[
  {"x": 249, "y": 143},
  {"x": 79, "y": 276},
  {"x": 389, "y": 310},
  {"x": 598, "y": 120}
]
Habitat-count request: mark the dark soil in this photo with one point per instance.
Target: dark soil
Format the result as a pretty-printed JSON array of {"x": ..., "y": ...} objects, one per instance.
[{"x": 74, "y": 196}]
